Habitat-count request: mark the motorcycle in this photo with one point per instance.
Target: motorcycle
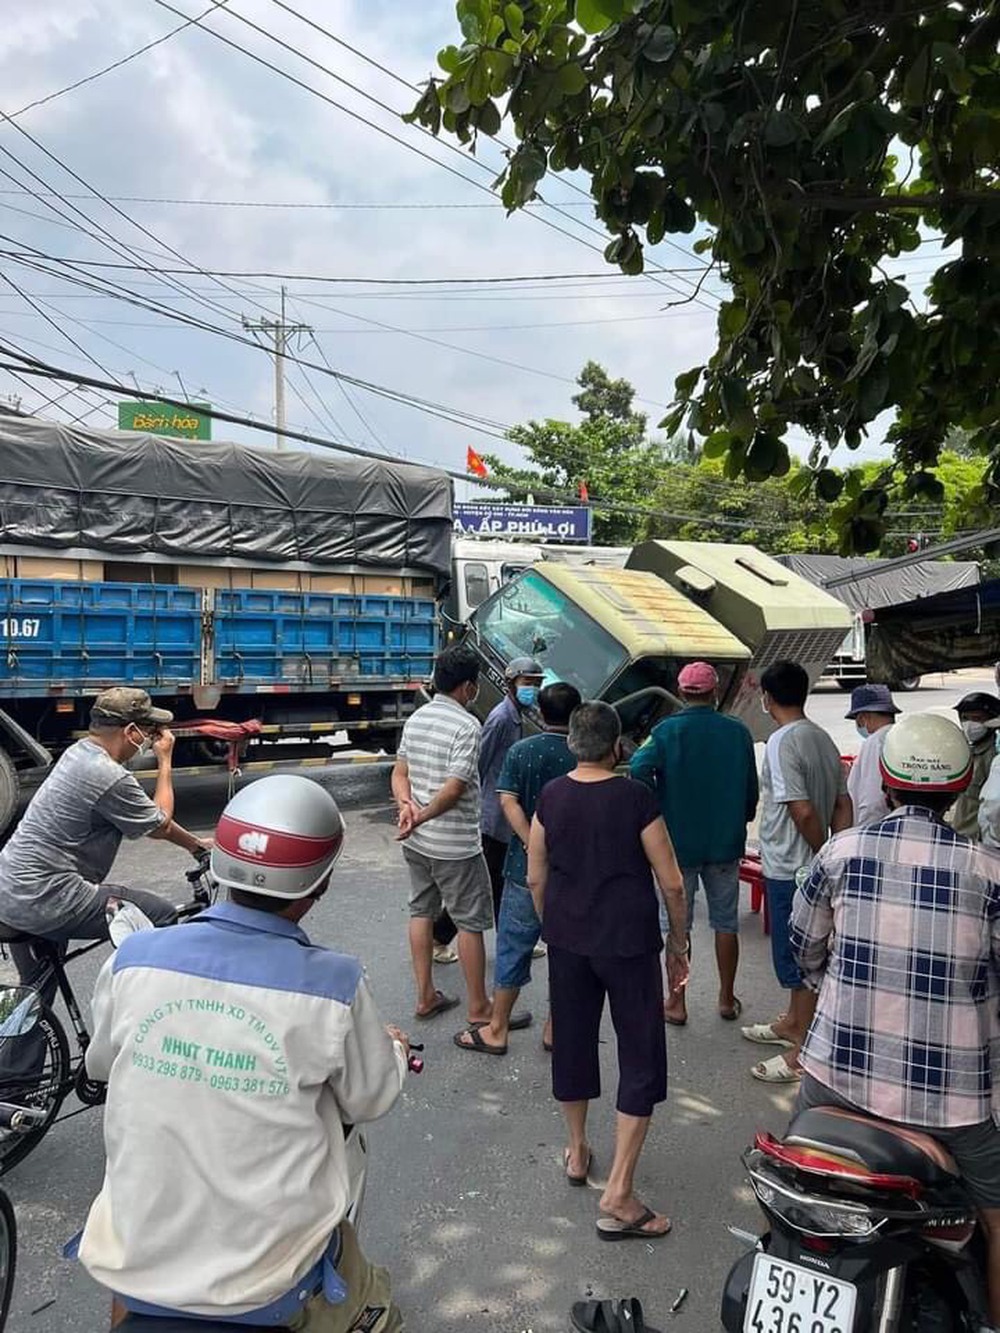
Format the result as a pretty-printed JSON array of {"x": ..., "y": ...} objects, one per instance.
[{"x": 870, "y": 1228}]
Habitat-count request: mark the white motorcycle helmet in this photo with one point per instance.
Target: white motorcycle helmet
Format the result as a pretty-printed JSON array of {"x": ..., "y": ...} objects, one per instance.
[
  {"x": 925, "y": 752},
  {"x": 279, "y": 837}
]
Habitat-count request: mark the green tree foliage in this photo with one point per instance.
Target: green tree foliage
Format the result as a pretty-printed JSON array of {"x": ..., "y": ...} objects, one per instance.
[
  {"x": 813, "y": 141},
  {"x": 608, "y": 451}
]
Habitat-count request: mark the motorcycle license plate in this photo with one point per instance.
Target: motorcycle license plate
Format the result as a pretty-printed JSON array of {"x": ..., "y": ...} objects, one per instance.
[{"x": 785, "y": 1298}]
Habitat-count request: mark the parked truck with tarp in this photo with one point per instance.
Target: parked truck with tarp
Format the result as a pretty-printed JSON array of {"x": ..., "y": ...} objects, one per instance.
[
  {"x": 867, "y": 586},
  {"x": 287, "y": 594}
]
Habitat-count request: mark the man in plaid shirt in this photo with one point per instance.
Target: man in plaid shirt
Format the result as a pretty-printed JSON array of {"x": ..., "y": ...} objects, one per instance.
[{"x": 898, "y": 930}]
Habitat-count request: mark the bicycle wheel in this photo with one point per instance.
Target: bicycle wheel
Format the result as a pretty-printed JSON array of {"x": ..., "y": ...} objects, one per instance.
[
  {"x": 44, "y": 1092},
  {"x": 8, "y": 1256}
]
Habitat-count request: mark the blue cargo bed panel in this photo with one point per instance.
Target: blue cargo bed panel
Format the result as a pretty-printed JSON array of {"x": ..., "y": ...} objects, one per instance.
[
  {"x": 264, "y": 637},
  {"x": 55, "y": 634}
]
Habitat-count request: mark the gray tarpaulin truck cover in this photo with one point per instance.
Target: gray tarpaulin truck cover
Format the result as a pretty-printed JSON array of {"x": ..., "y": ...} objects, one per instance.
[
  {"x": 70, "y": 488},
  {"x": 887, "y": 587}
]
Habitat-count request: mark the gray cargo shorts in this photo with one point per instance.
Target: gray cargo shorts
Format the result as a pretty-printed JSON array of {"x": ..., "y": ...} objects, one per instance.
[{"x": 463, "y": 887}]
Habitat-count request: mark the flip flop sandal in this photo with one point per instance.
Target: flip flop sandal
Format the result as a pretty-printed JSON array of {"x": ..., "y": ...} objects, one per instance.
[
  {"x": 546, "y": 1046},
  {"x": 475, "y": 1044},
  {"x": 731, "y": 1015},
  {"x": 675, "y": 1022},
  {"x": 763, "y": 1034},
  {"x": 442, "y": 1003},
  {"x": 609, "y": 1317},
  {"x": 517, "y": 1022},
  {"x": 775, "y": 1070},
  {"x": 613, "y": 1228},
  {"x": 579, "y": 1181}
]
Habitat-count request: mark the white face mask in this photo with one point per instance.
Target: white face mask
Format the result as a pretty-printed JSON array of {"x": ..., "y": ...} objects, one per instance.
[
  {"x": 975, "y": 731},
  {"x": 142, "y": 747}
]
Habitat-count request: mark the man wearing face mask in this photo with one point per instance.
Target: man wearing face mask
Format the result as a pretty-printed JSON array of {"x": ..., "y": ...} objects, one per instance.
[
  {"x": 53, "y": 869},
  {"x": 435, "y": 784},
  {"x": 503, "y": 726},
  {"x": 873, "y": 713},
  {"x": 979, "y": 714}
]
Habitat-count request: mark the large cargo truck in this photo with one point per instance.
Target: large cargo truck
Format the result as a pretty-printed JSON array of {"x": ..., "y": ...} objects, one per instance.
[{"x": 294, "y": 592}]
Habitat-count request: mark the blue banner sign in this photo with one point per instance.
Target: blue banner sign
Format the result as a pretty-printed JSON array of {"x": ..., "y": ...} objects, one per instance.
[{"x": 569, "y": 524}]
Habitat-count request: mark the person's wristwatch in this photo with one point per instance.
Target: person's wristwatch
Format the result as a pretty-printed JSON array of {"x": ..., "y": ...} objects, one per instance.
[{"x": 679, "y": 953}]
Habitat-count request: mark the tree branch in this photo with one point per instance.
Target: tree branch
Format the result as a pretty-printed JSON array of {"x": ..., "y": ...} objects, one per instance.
[{"x": 881, "y": 203}]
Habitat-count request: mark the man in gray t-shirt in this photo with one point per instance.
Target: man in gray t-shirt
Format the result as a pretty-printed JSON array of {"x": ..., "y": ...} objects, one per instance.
[
  {"x": 52, "y": 871},
  {"x": 804, "y": 799}
]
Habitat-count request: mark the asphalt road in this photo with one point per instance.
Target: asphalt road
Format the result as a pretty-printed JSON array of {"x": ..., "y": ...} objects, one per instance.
[{"x": 466, "y": 1202}]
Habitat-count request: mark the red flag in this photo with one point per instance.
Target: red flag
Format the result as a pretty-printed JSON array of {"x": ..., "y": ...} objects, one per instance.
[
  {"x": 584, "y": 493},
  {"x": 475, "y": 465}
]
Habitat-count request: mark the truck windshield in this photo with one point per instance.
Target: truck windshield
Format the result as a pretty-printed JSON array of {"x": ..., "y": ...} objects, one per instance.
[{"x": 531, "y": 618}]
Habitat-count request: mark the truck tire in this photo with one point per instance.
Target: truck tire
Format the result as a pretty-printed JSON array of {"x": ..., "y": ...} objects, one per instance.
[
  {"x": 10, "y": 791},
  {"x": 908, "y": 685}
]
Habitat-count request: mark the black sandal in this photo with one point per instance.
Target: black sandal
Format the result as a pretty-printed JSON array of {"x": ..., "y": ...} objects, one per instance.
[{"x": 610, "y": 1316}]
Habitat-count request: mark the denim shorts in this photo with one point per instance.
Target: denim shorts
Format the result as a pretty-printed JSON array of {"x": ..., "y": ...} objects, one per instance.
[
  {"x": 518, "y": 931},
  {"x": 780, "y": 893},
  {"x": 721, "y": 882}
]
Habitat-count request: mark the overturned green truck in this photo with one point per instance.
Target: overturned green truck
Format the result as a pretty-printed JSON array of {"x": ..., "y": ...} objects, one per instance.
[{"x": 623, "y": 635}]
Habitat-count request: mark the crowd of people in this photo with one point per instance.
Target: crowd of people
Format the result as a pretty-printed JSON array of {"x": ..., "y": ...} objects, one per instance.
[{"x": 883, "y": 893}]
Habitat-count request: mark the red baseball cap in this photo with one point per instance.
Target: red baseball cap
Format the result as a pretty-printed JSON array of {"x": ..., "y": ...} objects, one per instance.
[{"x": 698, "y": 678}]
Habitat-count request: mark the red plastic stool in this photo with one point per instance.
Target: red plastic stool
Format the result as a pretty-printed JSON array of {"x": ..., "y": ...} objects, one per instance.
[{"x": 752, "y": 874}]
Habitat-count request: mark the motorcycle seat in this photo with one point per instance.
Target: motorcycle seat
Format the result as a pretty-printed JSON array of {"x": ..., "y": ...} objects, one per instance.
[{"x": 875, "y": 1145}]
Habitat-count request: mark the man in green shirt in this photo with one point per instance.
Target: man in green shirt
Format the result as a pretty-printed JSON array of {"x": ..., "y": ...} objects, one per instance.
[{"x": 702, "y": 767}]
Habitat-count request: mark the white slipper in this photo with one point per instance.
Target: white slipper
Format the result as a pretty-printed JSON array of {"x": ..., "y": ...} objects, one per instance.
[
  {"x": 763, "y": 1034},
  {"x": 775, "y": 1070}
]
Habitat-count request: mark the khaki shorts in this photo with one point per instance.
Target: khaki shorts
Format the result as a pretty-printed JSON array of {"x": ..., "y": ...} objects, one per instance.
[
  {"x": 368, "y": 1307},
  {"x": 463, "y": 887}
]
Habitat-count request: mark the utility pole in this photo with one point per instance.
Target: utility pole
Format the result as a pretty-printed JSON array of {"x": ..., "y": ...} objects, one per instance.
[{"x": 278, "y": 332}]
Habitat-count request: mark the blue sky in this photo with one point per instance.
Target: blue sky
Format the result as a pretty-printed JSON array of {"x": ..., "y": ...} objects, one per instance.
[{"x": 194, "y": 120}]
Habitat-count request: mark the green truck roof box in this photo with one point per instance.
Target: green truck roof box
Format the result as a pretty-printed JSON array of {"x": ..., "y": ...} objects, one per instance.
[{"x": 752, "y": 594}]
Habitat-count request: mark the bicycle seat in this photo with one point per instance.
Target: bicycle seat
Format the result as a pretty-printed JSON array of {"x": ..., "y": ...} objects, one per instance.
[{"x": 11, "y": 935}]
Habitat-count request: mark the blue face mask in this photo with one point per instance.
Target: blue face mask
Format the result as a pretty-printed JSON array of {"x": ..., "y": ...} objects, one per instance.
[
  {"x": 862, "y": 731},
  {"x": 527, "y": 695}
]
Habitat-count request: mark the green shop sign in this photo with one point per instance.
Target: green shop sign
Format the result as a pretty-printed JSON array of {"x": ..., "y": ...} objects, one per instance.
[{"x": 190, "y": 422}]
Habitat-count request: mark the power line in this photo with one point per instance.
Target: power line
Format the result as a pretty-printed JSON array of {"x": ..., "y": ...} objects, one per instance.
[
  {"x": 41, "y": 370},
  {"x": 413, "y": 88},
  {"x": 117, "y": 64},
  {"x": 271, "y": 274},
  {"x": 381, "y": 130}
]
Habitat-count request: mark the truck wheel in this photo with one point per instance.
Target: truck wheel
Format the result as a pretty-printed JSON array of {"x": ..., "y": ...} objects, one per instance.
[
  {"x": 908, "y": 685},
  {"x": 10, "y": 791}
]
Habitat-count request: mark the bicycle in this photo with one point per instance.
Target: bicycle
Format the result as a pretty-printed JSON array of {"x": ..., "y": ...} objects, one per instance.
[{"x": 30, "y": 1105}]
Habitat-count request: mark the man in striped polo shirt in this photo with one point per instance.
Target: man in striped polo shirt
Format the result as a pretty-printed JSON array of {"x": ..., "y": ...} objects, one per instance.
[{"x": 436, "y": 787}]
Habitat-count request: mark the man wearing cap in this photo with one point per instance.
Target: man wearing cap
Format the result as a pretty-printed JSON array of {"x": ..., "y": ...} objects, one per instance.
[
  {"x": 873, "y": 712},
  {"x": 979, "y": 715},
  {"x": 701, "y": 765},
  {"x": 503, "y": 726},
  {"x": 52, "y": 871}
]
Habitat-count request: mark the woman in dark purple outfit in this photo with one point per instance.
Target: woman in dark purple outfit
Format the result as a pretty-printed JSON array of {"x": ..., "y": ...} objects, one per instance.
[{"x": 596, "y": 842}]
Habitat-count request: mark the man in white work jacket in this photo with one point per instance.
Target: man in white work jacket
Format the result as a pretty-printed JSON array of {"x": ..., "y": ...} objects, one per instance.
[{"x": 234, "y": 1051}]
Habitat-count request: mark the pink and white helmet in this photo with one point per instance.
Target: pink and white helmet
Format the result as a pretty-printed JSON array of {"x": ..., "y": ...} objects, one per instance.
[{"x": 278, "y": 837}]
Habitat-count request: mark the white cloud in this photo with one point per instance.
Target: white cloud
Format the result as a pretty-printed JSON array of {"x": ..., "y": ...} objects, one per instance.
[{"x": 193, "y": 119}]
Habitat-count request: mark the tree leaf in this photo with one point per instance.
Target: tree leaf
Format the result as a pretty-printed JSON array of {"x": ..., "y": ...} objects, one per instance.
[
  {"x": 661, "y": 45},
  {"x": 596, "y": 15},
  {"x": 571, "y": 79},
  {"x": 718, "y": 444},
  {"x": 781, "y": 129},
  {"x": 513, "y": 16},
  {"x": 684, "y": 384},
  {"x": 732, "y": 319},
  {"x": 829, "y": 485}
]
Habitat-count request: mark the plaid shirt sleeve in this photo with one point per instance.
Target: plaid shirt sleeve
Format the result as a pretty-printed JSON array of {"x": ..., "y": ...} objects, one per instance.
[{"x": 811, "y": 925}]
